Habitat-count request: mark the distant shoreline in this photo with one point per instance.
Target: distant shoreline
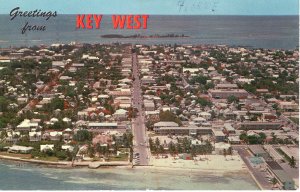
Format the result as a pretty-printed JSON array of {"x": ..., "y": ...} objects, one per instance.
[{"x": 138, "y": 36}]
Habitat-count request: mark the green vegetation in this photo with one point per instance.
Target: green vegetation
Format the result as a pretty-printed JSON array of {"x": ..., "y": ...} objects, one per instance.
[
  {"x": 253, "y": 139},
  {"x": 83, "y": 136},
  {"x": 295, "y": 120},
  {"x": 183, "y": 146},
  {"x": 169, "y": 116}
]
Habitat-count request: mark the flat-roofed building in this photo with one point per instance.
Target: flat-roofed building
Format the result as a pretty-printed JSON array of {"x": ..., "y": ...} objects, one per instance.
[
  {"x": 58, "y": 64},
  {"x": 226, "y": 86},
  {"x": 224, "y": 94},
  {"x": 256, "y": 125},
  {"x": 288, "y": 106},
  {"x": 104, "y": 125},
  {"x": 19, "y": 149},
  {"x": 291, "y": 151},
  {"x": 149, "y": 105},
  {"x": 115, "y": 94},
  {"x": 258, "y": 151},
  {"x": 190, "y": 130},
  {"x": 218, "y": 135},
  {"x": 228, "y": 128},
  {"x": 273, "y": 153},
  {"x": 282, "y": 177}
]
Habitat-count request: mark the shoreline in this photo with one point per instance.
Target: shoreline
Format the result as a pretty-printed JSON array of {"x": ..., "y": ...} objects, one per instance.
[
  {"x": 66, "y": 164},
  {"x": 79, "y": 165}
]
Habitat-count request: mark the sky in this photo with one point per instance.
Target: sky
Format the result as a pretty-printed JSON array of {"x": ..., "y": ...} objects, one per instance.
[{"x": 157, "y": 7}]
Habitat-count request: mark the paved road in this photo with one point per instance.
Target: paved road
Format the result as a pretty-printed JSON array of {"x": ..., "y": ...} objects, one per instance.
[
  {"x": 256, "y": 172},
  {"x": 138, "y": 123}
]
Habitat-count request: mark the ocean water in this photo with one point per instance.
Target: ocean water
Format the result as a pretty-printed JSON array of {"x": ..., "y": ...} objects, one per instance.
[
  {"x": 280, "y": 32},
  {"x": 31, "y": 177}
]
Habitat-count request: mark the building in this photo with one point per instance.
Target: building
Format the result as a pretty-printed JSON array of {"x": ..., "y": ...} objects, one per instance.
[
  {"x": 228, "y": 128},
  {"x": 258, "y": 151},
  {"x": 190, "y": 130},
  {"x": 234, "y": 140},
  {"x": 220, "y": 147},
  {"x": 224, "y": 94},
  {"x": 96, "y": 125},
  {"x": 199, "y": 120},
  {"x": 218, "y": 135},
  {"x": 291, "y": 152},
  {"x": 227, "y": 86},
  {"x": 27, "y": 125},
  {"x": 165, "y": 124},
  {"x": 120, "y": 114},
  {"x": 256, "y": 125},
  {"x": 19, "y": 149},
  {"x": 35, "y": 136},
  {"x": 273, "y": 153},
  {"x": 46, "y": 147},
  {"x": 288, "y": 106},
  {"x": 149, "y": 105},
  {"x": 282, "y": 177}
]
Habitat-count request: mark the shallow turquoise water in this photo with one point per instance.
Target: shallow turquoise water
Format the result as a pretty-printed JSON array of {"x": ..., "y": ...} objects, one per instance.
[{"x": 31, "y": 177}]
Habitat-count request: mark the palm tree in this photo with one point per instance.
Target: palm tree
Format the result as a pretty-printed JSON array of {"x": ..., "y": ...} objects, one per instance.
[
  {"x": 292, "y": 162},
  {"x": 274, "y": 181},
  {"x": 224, "y": 153}
]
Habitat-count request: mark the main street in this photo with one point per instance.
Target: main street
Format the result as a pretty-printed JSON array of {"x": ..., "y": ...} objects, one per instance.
[{"x": 138, "y": 123}]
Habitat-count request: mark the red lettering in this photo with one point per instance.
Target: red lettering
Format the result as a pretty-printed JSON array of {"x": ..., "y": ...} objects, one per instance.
[
  {"x": 97, "y": 19},
  {"x": 118, "y": 21},
  {"x": 137, "y": 21},
  {"x": 145, "y": 19},
  {"x": 89, "y": 21},
  {"x": 79, "y": 21},
  {"x": 129, "y": 21}
]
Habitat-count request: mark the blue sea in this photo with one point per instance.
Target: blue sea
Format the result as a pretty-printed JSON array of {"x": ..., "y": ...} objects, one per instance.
[
  {"x": 279, "y": 32},
  {"x": 31, "y": 177}
]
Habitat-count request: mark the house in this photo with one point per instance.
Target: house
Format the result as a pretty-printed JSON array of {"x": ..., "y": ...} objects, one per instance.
[
  {"x": 35, "y": 136},
  {"x": 123, "y": 102},
  {"x": 46, "y": 147},
  {"x": 55, "y": 135},
  {"x": 199, "y": 120},
  {"x": 205, "y": 115},
  {"x": 149, "y": 105},
  {"x": 67, "y": 147},
  {"x": 58, "y": 64},
  {"x": 26, "y": 125},
  {"x": 120, "y": 114},
  {"x": 22, "y": 100}
]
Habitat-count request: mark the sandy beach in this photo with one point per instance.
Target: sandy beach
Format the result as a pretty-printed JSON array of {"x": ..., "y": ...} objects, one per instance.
[{"x": 212, "y": 163}]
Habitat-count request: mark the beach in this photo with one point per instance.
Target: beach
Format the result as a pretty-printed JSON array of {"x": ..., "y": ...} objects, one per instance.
[{"x": 212, "y": 163}]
